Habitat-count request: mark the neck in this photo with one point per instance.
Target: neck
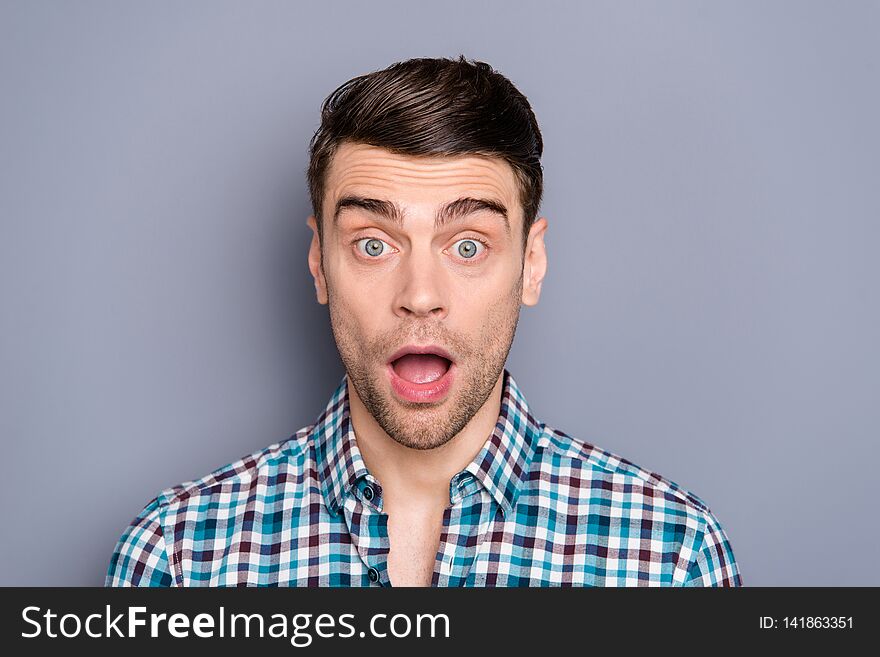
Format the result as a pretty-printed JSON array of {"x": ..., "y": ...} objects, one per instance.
[{"x": 423, "y": 474}]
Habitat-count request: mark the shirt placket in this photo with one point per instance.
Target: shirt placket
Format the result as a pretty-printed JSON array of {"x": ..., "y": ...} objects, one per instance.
[
  {"x": 466, "y": 523},
  {"x": 368, "y": 528}
]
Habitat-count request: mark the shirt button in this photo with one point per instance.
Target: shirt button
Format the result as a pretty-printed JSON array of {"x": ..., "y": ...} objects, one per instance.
[
  {"x": 368, "y": 492},
  {"x": 374, "y": 574}
]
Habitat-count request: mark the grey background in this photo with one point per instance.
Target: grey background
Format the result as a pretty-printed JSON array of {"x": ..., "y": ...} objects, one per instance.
[{"x": 710, "y": 310}]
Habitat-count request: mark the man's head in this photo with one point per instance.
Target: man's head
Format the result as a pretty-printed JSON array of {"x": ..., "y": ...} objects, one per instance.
[{"x": 426, "y": 180}]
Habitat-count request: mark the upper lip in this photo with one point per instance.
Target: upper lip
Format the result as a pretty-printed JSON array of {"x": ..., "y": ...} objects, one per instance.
[{"x": 420, "y": 349}]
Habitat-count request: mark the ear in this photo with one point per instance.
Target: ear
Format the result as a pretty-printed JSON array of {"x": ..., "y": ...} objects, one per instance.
[
  {"x": 315, "y": 262},
  {"x": 534, "y": 263}
]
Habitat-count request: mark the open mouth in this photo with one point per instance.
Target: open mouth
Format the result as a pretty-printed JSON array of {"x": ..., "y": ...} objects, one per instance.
[
  {"x": 421, "y": 368},
  {"x": 421, "y": 373}
]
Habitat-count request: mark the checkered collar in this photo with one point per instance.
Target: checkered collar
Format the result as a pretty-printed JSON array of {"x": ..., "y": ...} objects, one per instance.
[{"x": 500, "y": 466}]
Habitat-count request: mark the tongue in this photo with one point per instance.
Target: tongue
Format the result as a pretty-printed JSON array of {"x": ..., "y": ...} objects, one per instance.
[{"x": 420, "y": 368}]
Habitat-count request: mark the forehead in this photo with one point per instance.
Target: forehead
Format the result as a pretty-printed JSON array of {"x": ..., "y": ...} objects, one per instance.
[{"x": 369, "y": 170}]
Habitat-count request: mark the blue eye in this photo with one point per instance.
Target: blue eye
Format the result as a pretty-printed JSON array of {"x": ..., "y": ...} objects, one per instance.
[
  {"x": 371, "y": 246},
  {"x": 469, "y": 248}
]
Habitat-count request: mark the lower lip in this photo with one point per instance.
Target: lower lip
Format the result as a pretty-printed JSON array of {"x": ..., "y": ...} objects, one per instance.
[{"x": 422, "y": 392}]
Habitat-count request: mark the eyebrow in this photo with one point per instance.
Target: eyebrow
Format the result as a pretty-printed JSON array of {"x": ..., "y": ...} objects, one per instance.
[{"x": 450, "y": 212}]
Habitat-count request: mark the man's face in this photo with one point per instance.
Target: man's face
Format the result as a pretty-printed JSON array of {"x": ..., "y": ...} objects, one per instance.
[{"x": 409, "y": 264}]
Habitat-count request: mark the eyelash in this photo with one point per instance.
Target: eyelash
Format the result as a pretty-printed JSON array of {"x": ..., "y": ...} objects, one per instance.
[{"x": 467, "y": 237}]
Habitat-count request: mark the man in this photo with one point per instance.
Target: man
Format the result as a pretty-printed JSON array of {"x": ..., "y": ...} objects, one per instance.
[{"x": 426, "y": 467}]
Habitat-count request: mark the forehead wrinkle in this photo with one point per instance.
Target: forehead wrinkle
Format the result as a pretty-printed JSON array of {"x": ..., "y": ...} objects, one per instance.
[
  {"x": 370, "y": 187},
  {"x": 379, "y": 166},
  {"x": 389, "y": 178},
  {"x": 430, "y": 166},
  {"x": 372, "y": 155},
  {"x": 383, "y": 173},
  {"x": 374, "y": 173}
]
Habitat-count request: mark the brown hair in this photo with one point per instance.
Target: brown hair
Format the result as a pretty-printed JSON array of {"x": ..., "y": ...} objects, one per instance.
[{"x": 433, "y": 106}]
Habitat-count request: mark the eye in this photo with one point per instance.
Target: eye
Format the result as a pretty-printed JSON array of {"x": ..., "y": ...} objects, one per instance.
[
  {"x": 371, "y": 247},
  {"x": 468, "y": 248}
]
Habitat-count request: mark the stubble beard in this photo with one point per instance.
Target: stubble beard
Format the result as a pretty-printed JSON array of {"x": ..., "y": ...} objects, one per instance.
[{"x": 427, "y": 425}]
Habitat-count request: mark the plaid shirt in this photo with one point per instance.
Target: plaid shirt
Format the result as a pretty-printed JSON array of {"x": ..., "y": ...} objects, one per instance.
[{"x": 536, "y": 507}]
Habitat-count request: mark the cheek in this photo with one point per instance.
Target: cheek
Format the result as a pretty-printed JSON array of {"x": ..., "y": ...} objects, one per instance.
[
  {"x": 486, "y": 312},
  {"x": 358, "y": 303},
  {"x": 484, "y": 289}
]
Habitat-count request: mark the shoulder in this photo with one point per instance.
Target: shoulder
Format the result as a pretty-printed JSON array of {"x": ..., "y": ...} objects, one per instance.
[
  {"x": 291, "y": 457},
  {"x": 140, "y": 557},
  {"x": 630, "y": 498},
  {"x": 563, "y": 450},
  {"x": 148, "y": 551}
]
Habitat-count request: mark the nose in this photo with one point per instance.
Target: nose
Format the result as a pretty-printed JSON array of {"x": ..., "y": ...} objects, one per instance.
[{"x": 421, "y": 290}]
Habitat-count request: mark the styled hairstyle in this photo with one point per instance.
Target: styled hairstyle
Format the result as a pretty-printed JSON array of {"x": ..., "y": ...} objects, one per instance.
[{"x": 433, "y": 107}]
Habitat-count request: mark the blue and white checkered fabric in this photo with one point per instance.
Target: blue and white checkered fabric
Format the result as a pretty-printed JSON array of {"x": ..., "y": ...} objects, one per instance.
[{"x": 536, "y": 507}]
